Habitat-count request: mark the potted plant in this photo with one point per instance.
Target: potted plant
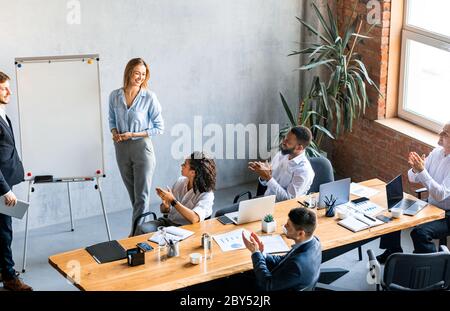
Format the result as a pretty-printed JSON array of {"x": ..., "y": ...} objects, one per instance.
[
  {"x": 268, "y": 224},
  {"x": 338, "y": 97}
]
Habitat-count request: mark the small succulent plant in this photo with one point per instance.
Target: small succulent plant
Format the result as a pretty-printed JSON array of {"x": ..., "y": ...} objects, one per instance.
[{"x": 268, "y": 218}]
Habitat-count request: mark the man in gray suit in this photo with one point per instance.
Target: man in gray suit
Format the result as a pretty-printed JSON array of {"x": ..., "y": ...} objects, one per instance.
[{"x": 300, "y": 267}]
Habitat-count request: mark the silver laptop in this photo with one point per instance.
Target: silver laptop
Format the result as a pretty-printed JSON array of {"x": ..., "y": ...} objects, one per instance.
[
  {"x": 253, "y": 210},
  {"x": 394, "y": 193},
  {"x": 340, "y": 190}
]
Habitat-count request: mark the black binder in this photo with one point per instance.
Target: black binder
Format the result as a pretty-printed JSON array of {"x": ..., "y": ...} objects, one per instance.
[{"x": 107, "y": 251}]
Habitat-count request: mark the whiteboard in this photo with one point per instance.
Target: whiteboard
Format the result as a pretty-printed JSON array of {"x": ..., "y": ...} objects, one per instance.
[{"x": 60, "y": 116}]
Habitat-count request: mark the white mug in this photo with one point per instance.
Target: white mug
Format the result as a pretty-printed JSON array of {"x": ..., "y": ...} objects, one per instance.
[
  {"x": 195, "y": 258},
  {"x": 341, "y": 214},
  {"x": 396, "y": 212}
]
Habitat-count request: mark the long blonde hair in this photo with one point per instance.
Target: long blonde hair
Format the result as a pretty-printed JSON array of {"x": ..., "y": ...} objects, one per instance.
[{"x": 129, "y": 71}]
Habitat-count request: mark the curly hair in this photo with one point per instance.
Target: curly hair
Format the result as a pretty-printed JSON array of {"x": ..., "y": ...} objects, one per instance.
[{"x": 205, "y": 172}]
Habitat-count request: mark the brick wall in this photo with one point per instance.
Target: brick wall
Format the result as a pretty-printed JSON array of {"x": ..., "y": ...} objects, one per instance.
[{"x": 372, "y": 150}]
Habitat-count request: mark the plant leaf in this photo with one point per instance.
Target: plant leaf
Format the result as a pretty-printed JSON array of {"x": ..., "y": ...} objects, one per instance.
[{"x": 288, "y": 110}]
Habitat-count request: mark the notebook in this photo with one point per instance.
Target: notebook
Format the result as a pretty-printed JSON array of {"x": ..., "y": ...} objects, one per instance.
[
  {"x": 107, "y": 251},
  {"x": 172, "y": 233},
  {"x": 357, "y": 223}
]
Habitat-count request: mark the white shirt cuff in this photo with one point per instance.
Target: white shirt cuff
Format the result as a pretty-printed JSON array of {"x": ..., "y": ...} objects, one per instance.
[{"x": 9, "y": 192}]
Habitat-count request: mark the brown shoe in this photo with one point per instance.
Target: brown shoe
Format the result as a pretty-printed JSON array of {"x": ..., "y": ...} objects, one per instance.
[{"x": 16, "y": 285}]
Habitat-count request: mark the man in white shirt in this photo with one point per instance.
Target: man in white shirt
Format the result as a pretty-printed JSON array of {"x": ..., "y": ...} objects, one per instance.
[
  {"x": 433, "y": 172},
  {"x": 289, "y": 175}
]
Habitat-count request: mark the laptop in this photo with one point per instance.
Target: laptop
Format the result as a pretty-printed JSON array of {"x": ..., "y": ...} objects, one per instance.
[
  {"x": 340, "y": 189},
  {"x": 394, "y": 193},
  {"x": 253, "y": 210}
]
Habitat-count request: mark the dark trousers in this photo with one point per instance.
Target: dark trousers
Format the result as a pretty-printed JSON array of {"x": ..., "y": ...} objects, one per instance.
[
  {"x": 422, "y": 236},
  {"x": 6, "y": 236}
]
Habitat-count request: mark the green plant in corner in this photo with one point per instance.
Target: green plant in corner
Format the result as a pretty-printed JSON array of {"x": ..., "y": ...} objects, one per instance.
[{"x": 336, "y": 99}]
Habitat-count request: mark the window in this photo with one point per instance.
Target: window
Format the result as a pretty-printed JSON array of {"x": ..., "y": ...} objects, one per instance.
[{"x": 425, "y": 67}]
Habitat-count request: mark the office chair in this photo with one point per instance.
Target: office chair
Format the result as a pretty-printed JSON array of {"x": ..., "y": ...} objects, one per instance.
[
  {"x": 136, "y": 221},
  {"x": 323, "y": 171},
  {"x": 411, "y": 272},
  {"x": 419, "y": 192}
]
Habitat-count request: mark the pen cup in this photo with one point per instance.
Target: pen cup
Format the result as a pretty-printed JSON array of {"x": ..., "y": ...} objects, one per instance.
[{"x": 173, "y": 249}]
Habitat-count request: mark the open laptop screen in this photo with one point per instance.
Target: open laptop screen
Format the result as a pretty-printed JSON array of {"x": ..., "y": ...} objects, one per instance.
[{"x": 394, "y": 191}]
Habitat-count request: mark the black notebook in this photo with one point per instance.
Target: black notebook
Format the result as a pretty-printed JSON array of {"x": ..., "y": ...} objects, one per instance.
[{"x": 107, "y": 251}]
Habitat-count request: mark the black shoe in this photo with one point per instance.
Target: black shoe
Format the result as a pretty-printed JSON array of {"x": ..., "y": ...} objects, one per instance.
[{"x": 383, "y": 257}]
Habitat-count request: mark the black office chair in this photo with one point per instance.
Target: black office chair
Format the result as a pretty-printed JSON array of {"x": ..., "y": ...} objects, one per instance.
[
  {"x": 412, "y": 272},
  {"x": 419, "y": 192},
  {"x": 136, "y": 221}
]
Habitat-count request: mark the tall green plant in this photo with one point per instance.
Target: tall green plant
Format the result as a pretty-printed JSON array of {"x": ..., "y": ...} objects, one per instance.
[{"x": 333, "y": 102}]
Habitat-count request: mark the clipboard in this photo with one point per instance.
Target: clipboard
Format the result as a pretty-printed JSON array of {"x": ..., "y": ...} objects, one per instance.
[{"x": 16, "y": 211}]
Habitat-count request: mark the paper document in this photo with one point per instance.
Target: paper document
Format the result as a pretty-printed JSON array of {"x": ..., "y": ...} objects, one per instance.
[
  {"x": 367, "y": 207},
  {"x": 274, "y": 244},
  {"x": 16, "y": 211},
  {"x": 230, "y": 241},
  {"x": 362, "y": 191},
  {"x": 172, "y": 233}
]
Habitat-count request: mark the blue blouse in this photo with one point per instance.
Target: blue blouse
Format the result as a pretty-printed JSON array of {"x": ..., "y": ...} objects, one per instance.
[{"x": 143, "y": 115}]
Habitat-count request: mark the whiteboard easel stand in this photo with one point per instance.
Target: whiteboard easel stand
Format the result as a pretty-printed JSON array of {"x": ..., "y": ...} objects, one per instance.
[{"x": 67, "y": 181}]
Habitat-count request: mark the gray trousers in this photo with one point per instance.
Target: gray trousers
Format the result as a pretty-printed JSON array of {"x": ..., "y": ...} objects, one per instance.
[{"x": 136, "y": 161}]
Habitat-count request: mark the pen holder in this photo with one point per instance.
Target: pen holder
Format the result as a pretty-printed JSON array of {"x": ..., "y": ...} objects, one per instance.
[
  {"x": 173, "y": 249},
  {"x": 330, "y": 210},
  {"x": 135, "y": 257}
]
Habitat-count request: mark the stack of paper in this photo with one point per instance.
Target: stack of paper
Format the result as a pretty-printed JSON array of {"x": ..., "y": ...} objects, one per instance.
[
  {"x": 230, "y": 241},
  {"x": 172, "y": 233}
]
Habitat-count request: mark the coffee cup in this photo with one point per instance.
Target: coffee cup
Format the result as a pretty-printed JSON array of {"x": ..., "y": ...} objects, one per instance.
[
  {"x": 195, "y": 258},
  {"x": 341, "y": 214},
  {"x": 396, "y": 212}
]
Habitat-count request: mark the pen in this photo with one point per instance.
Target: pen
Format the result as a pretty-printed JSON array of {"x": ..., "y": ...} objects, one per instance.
[
  {"x": 371, "y": 218},
  {"x": 303, "y": 204}
]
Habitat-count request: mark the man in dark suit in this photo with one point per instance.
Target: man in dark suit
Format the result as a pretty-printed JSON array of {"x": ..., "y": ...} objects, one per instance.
[
  {"x": 11, "y": 173},
  {"x": 300, "y": 267}
]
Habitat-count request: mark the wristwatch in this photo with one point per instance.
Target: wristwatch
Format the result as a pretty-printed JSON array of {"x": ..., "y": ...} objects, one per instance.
[{"x": 174, "y": 202}]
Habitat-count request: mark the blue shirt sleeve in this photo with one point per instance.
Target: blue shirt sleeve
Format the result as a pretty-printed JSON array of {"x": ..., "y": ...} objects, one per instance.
[
  {"x": 112, "y": 115},
  {"x": 155, "y": 118}
]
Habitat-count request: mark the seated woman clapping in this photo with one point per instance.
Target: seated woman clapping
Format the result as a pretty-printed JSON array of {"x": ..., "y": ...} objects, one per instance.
[{"x": 191, "y": 198}]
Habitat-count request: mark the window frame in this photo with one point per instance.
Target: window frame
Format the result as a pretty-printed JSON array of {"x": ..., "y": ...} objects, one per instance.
[{"x": 431, "y": 39}]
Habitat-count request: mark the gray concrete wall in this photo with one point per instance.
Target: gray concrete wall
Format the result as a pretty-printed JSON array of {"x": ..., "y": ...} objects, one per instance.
[{"x": 222, "y": 60}]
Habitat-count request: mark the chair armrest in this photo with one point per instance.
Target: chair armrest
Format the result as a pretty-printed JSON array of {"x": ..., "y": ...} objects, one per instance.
[
  {"x": 239, "y": 196},
  {"x": 437, "y": 286},
  {"x": 443, "y": 248},
  {"x": 136, "y": 221},
  {"x": 374, "y": 269},
  {"x": 420, "y": 191}
]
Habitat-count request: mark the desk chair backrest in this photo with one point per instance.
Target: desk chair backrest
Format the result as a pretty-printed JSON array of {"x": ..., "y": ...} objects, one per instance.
[
  {"x": 323, "y": 171},
  {"x": 411, "y": 272}
]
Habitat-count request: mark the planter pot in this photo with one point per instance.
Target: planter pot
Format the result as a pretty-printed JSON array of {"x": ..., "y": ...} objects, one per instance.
[{"x": 268, "y": 227}]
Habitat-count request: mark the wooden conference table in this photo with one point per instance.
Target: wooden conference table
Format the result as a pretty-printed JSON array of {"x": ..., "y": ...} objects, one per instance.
[{"x": 161, "y": 273}]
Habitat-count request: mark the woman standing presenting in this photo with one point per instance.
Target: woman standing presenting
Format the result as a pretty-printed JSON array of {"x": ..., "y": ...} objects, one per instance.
[{"x": 135, "y": 116}]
